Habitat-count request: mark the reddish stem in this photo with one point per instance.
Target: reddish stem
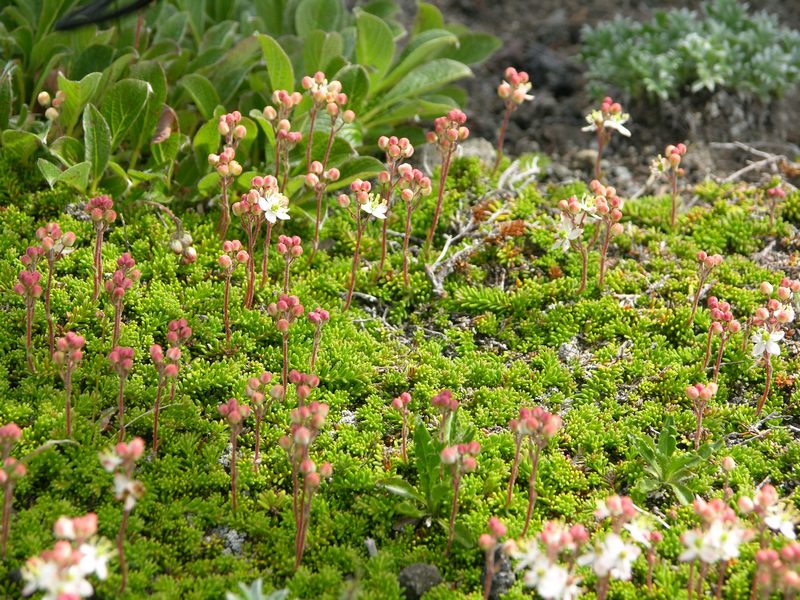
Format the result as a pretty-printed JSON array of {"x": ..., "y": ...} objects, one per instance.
[
  {"x": 354, "y": 268},
  {"x": 225, "y": 316},
  {"x": 532, "y": 486},
  {"x": 404, "y": 442},
  {"x": 68, "y": 393},
  {"x": 285, "y": 372},
  {"x": 453, "y": 510},
  {"x": 440, "y": 197},
  {"x": 501, "y": 138},
  {"x": 123, "y": 565},
  {"x": 98, "y": 264},
  {"x": 29, "y": 316},
  {"x": 696, "y": 300},
  {"x": 603, "y": 254},
  {"x": 121, "y": 409},
  {"x": 50, "y": 327},
  {"x": 406, "y": 237},
  {"x": 315, "y": 348},
  {"x": 722, "y": 339},
  {"x": 265, "y": 257},
  {"x": 251, "y": 271},
  {"x": 708, "y": 348},
  {"x": 765, "y": 395},
  {"x": 514, "y": 470},
  {"x": 721, "y": 579},
  {"x": 490, "y": 571},
  {"x": 8, "y": 498},
  {"x": 156, "y": 410},
  {"x": 234, "y": 472},
  {"x": 320, "y": 192}
]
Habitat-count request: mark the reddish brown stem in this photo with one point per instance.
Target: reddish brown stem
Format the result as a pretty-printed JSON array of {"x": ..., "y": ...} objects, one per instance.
[
  {"x": 532, "y": 486},
  {"x": 68, "y": 393},
  {"x": 603, "y": 254},
  {"x": 98, "y": 265},
  {"x": 490, "y": 571},
  {"x": 722, "y": 339},
  {"x": 30, "y": 313},
  {"x": 406, "y": 238},
  {"x": 121, "y": 409},
  {"x": 721, "y": 579},
  {"x": 265, "y": 257},
  {"x": 404, "y": 441},
  {"x": 315, "y": 245},
  {"x": 767, "y": 385},
  {"x": 224, "y": 214},
  {"x": 123, "y": 565},
  {"x": 286, "y": 265},
  {"x": 50, "y": 326},
  {"x": 8, "y": 498},
  {"x": 331, "y": 137},
  {"x": 354, "y": 268},
  {"x": 708, "y": 348},
  {"x": 315, "y": 349},
  {"x": 453, "y": 510},
  {"x": 285, "y": 372},
  {"x": 234, "y": 472},
  {"x": 156, "y": 410},
  {"x": 696, "y": 299},
  {"x": 439, "y": 198},
  {"x": 501, "y": 139},
  {"x": 514, "y": 470},
  {"x": 225, "y": 316}
]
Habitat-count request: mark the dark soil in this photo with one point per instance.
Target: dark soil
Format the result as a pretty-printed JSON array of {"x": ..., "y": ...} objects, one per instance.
[{"x": 542, "y": 37}]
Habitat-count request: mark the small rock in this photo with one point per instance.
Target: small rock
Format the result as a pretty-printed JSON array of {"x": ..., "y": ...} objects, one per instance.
[
  {"x": 232, "y": 540},
  {"x": 569, "y": 350},
  {"x": 348, "y": 418},
  {"x": 585, "y": 158},
  {"x": 418, "y": 578},
  {"x": 480, "y": 147},
  {"x": 225, "y": 459},
  {"x": 504, "y": 577}
]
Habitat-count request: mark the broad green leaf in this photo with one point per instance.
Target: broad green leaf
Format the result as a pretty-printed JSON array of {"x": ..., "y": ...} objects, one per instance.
[
  {"x": 428, "y": 77},
  {"x": 6, "y": 100},
  {"x": 400, "y": 487},
  {"x": 374, "y": 45},
  {"x": 408, "y": 509},
  {"x": 49, "y": 171},
  {"x": 428, "y": 17},
  {"x": 385, "y": 9},
  {"x": 116, "y": 180},
  {"x": 209, "y": 185},
  {"x": 202, "y": 92},
  {"x": 317, "y": 14},
  {"x": 166, "y": 152},
  {"x": 271, "y": 12},
  {"x": 94, "y": 59},
  {"x": 355, "y": 80},
  {"x": 320, "y": 48},
  {"x": 422, "y": 48},
  {"x": 172, "y": 29},
  {"x": 265, "y": 126},
  {"x": 666, "y": 439},
  {"x": 77, "y": 176},
  {"x": 97, "y": 137},
  {"x": 474, "y": 48},
  {"x": 279, "y": 67},
  {"x": 206, "y": 141},
  {"x": 358, "y": 167},
  {"x": 76, "y": 95},
  {"x": 68, "y": 150},
  {"x": 142, "y": 130},
  {"x": 122, "y": 106},
  {"x": 19, "y": 145},
  {"x": 683, "y": 493}
]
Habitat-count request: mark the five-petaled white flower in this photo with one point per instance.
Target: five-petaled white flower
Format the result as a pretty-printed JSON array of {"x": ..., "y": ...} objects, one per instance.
[
  {"x": 615, "y": 122},
  {"x": 781, "y": 518},
  {"x": 275, "y": 206},
  {"x": 614, "y": 558},
  {"x": 567, "y": 232},
  {"x": 375, "y": 206},
  {"x": 765, "y": 341}
]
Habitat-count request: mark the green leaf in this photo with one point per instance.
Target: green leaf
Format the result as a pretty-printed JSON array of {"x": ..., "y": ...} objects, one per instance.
[
  {"x": 400, "y": 487},
  {"x": 358, "y": 167},
  {"x": 666, "y": 439},
  {"x": 97, "y": 137},
  {"x": 208, "y": 186},
  {"x": 320, "y": 48},
  {"x": 94, "y": 59},
  {"x": 202, "y": 92},
  {"x": 122, "y": 106},
  {"x": 683, "y": 493},
  {"x": 6, "y": 100},
  {"x": 19, "y": 145},
  {"x": 474, "y": 48},
  {"x": 279, "y": 67},
  {"x": 49, "y": 171},
  {"x": 428, "y": 77},
  {"x": 421, "y": 48},
  {"x": 206, "y": 141},
  {"x": 374, "y": 45},
  {"x": 428, "y": 17},
  {"x": 142, "y": 130},
  {"x": 76, "y": 95},
  {"x": 355, "y": 80},
  {"x": 77, "y": 176},
  {"x": 317, "y": 14}
]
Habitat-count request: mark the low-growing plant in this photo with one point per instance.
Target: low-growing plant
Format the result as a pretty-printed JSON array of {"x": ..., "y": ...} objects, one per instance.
[
  {"x": 604, "y": 122},
  {"x": 318, "y": 317},
  {"x": 284, "y": 313},
  {"x": 706, "y": 264},
  {"x": 513, "y": 91},
  {"x": 234, "y": 413},
  {"x": 121, "y": 359},
  {"x": 232, "y": 257},
  {"x": 102, "y": 213},
  {"x": 724, "y": 325},
  {"x": 669, "y": 165},
  {"x": 67, "y": 356},
  {"x": 117, "y": 286},
  {"x": 55, "y": 244},
  {"x": 256, "y": 391},
  {"x": 31, "y": 290}
]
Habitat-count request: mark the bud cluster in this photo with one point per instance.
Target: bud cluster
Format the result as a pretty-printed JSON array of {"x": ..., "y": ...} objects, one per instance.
[
  {"x": 51, "y": 105},
  {"x": 412, "y": 183},
  {"x": 256, "y": 391},
  {"x": 325, "y": 93},
  {"x": 285, "y": 311},
  {"x": 497, "y": 531},
  {"x": 719, "y": 536},
  {"x": 225, "y": 163},
  {"x": 609, "y": 117},
  {"x": 307, "y": 421},
  {"x": 10, "y": 468},
  {"x": 28, "y": 286},
  {"x": 234, "y": 413},
  {"x": 123, "y": 278},
  {"x": 514, "y": 89},
  {"x": 318, "y": 178},
  {"x": 608, "y": 205},
  {"x": 304, "y": 384},
  {"x": 671, "y": 161},
  {"x": 233, "y": 255},
  {"x": 290, "y": 247},
  {"x": 447, "y": 406},
  {"x": 121, "y": 359},
  {"x": 401, "y": 403},
  {"x": 54, "y": 242},
  {"x": 449, "y": 132},
  {"x": 101, "y": 210},
  {"x": 778, "y": 571},
  {"x": 230, "y": 128},
  {"x": 181, "y": 244},
  {"x": 770, "y": 511},
  {"x": 461, "y": 457},
  {"x": 536, "y": 423},
  {"x": 69, "y": 351}
]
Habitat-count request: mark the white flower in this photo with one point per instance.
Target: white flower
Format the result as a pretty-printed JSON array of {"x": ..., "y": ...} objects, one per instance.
[
  {"x": 780, "y": 518},
  {"x": 721, "y": 543},
  {"x": 528, "y": 556},
  {"x": 640, "y": 531},
  {"x": 693, "y": 540},
  {"x": 567, "y": 232},
  {"x": 765, "y": 341},
  {"x": 375, "y": 206},
  {"x": 110, "y": 461},
  {"x": 615, "y": 122},
  {"x": 275, "y": 206},
  {"x": 614, "y": 558},
  {"x": 95, "y": 559},
  {"x": 553, "y": 583},
  {"x": 129, "y": 490}
]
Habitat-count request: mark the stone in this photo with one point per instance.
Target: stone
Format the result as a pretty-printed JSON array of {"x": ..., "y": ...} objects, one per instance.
[
  {"x": 504, "y": 576},
  {"x": 418, "y": 578}
]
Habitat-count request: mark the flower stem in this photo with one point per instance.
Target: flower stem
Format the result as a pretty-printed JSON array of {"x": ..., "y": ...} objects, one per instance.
[
  {"x": 98, "y": 264},
  {"x": 123, "y": 565},
  {"x": 354, "y": 268},
  {"x": 225, "y": 316},
  {"x": 285, "y": 372},
  {"x": 8, "y": 498},
  {"x": 768, "y": 383},
  {"x": 50, "y": 327},
  {"x": 224, "y": 214},
  {"x": 532, "y": 486},
  {"x": 439, "y": 198},
  {"x": 514, "y": 470},
  {"x": 453, "y": 511},
  {"x": 121, "y": 409},
  {"x": 501, "y": 138},
  {"x": 29, "y": 315},
  {"x": 233, "y": 470},
  {"x": 68, "y": 393},
  {"x": 406, "y": 237},
  {"x": 156, "y": 410},
  {"x": 265, "y": 257}
]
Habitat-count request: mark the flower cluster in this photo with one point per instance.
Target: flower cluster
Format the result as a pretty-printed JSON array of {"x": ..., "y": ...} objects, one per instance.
[
  {"x": 722, "y": 324},
  {"x": 30, "y": 289},
  {"x": 575, "y": 216},
  {"x": 669, "y": 164},
  {"x": 121, "y": 461},
  {"x": 770, "y": 511},
  {"x": 461, "y": 460},
  {"x": 256, "y": 390},
  {"x": 291, "y": 249},
  {"x": 178, "y": 333},
  {"x": 62, "y": 572},
  {"x": 121, "y": 359},
  {"x": 225, "y": 163},
  {"x": 68, "y": 355},
  {"x": 706, "y": 264},
  {"x": 285, "y": 138},
  {"x": 515, "y": 87},
  {"x": 318, "y": 317},
  {"x": 233, "y": 255},
  {"x": 549, "y": 561},
  {"x": 284, "y": 312},
  {"x": 779, "y": 571},
  {"x": 121, "y": 282},
  {"x": 304, "y": 384},
  {"x": 604, "y": 121},
  {"x": 775, "y": 193},
  {"x": 609, "y": 210},
  {"x": 55, "y": 245},
  {"x": 489, "y": 543},
  {"x": 413, "y": 185},
  {"x": 10, "y": 471},
  {"x": 181, "y": 244}
]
